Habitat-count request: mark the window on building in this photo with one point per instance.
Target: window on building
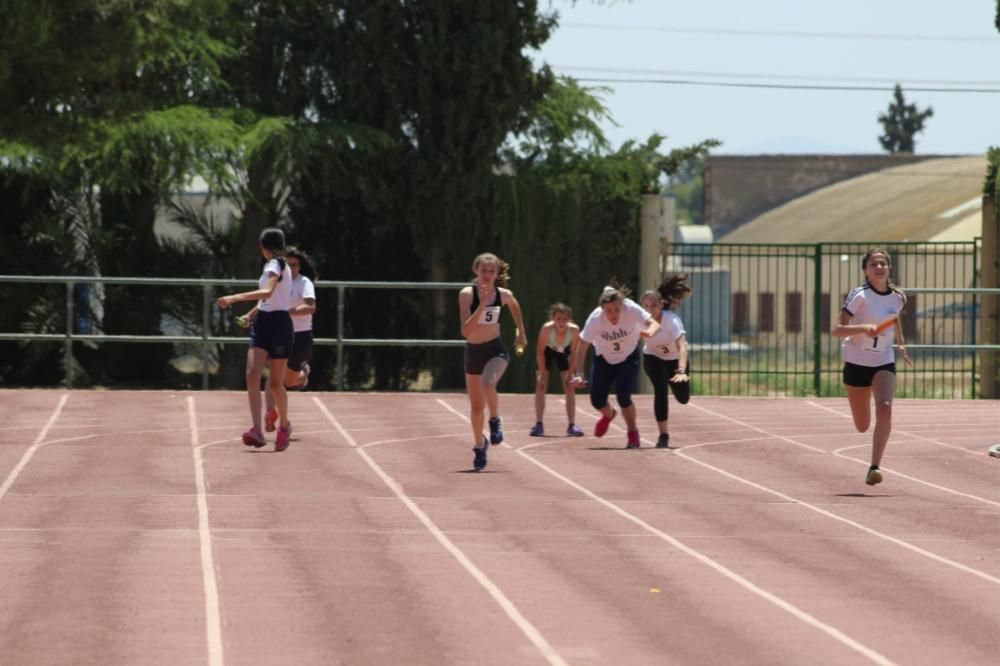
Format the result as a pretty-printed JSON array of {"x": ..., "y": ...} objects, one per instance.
[
  {"x": 741, "y": 313},
  {"x": 793, "y": 312},
  {"x": 765, "y": 312}
]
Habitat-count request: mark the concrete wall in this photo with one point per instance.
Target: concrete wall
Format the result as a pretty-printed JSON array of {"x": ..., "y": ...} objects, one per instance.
[{"x": 738, "y": 188}]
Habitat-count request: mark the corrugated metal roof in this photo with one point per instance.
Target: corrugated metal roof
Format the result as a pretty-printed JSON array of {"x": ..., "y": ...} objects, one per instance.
[{"x": 923, "y": 201}]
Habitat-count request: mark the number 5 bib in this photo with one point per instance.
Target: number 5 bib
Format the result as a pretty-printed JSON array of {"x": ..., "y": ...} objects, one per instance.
[{"x": 490, "y": 315}]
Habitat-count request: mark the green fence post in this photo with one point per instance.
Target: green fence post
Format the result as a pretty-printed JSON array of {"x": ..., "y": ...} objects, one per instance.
[
  {"x": 68, "y": 352},
  {"x": 340, "y": 338},
  {"x": 817, "y": 318},
  {"x": 206, "y": 317},
  {"x": 975, "y": 311}
]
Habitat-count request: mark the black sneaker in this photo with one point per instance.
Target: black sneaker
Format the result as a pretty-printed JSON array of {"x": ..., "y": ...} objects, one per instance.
[
  {"x": 479, "y": 462},
  {"x": 663, "y": 442},
  {"x": 496, "y": 430}
]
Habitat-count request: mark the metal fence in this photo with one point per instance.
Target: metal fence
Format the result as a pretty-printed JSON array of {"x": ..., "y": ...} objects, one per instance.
[
  {"x": 758, "y": 322},
  {"x": 760, "y": 318},
  {"x": 207, "y": 343}
]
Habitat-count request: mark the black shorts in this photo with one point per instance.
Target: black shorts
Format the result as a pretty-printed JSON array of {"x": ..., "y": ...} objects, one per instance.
[
  {"x": 561, "y": 359},
  {"x": 861, "y": 375},
  {"x": 302, "y": 350},
  {"x": 478, "y": 355},
  {"x": 273, "y": 332}
]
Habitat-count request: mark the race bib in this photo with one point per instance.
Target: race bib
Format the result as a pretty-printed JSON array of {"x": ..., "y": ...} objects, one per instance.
[
  {"x": 877, "y": 344},
  {"x": 490, "y": 315}
]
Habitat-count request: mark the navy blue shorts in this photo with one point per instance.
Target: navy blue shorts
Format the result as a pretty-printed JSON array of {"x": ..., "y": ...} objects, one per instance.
[
  {"x": 861, "y": 375},
  {"x": 302, "y": 350},
  {"x": 623, "y": 375},
  {"x": 273, "y": 332}
]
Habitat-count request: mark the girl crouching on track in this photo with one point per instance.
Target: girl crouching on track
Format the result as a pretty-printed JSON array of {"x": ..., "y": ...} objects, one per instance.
[
  {"x": 665, "y": 355},
  {"x": 486, "y": 357},
  {"x": 271, "y": 336},
  {"x": 869, "y": 360},
  {"x": 558, "y": 340},
  {"x": 614, "y": 328}
]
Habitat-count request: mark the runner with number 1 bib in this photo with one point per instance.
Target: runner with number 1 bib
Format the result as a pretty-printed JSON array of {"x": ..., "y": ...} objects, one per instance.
[{"x": 869, "y": 360}]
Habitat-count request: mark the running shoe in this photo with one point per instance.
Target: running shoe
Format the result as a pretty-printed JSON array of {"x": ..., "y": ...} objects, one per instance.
[
  {"x": 305, "y": 376},
  {"x": 663, "y": 442},
  {"x": 496, "y": 430},
  {"x": 479, "y": 462},
  {"x": 537, "y": 430},
  {"x": 573, "y": 431},
  {"x": 270, "y": 418},
  {"x": 283, "y": 439},
  {"x": 874, "y": 475},
  {"x": 254, "y": 438},
  {"x": 602, "y": 424},
  {"x": 633, "y": 439}
]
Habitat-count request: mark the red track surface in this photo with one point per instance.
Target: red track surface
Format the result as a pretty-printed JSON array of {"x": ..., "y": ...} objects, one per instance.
[{"x": 136, "y": 529}]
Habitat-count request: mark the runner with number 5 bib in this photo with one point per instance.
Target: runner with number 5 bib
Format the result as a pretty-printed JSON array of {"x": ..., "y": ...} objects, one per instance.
[
  {"x": 614, "y": 328},
  {"x": 486, "y": 357}
]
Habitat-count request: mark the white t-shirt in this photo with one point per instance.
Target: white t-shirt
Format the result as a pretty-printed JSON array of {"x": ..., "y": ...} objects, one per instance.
[
  {"x": 867, "y": 306},
  {"x": 664, "y": 344},
  {"x": 302, "y": 288},
  {"x": 281, "y": 297},
  {"x": 615, "y": 342}
]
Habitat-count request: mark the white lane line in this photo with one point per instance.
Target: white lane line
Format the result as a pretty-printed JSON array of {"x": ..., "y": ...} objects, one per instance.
[
  {"x": 830, "y": 514},
  {"x": 213, "y": 620},
  {"x": 39, "y": 441},
  {"x": 837, "y": 453},
  {"x": 494, "y": 591},
  {"x": 722, "y": 441},
  {"x": 901, "y": 432},
  {"x": 914, "y": 479},
  {"x": 786, "y": 606},
  {"x": 760, "y": 430},
  {"x": 407, "y": 439}
]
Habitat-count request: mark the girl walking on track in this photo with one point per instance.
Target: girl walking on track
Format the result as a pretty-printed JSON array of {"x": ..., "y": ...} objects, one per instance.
[
  {"x": 486, "y": 357},
  {"x": 271, "y": 336},
  {"x": 868, "y": 323},
  {"x": 302, "y": 310},
  {"x": 665, "y": 355},
  {"x": 614, "y": 328},
  {"x": 558, "y": 340}
]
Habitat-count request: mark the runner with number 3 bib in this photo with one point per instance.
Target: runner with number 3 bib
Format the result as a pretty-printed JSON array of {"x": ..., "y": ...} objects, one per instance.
[
  {"x": 665, "y": 355},
  {"x": 614, "y": 328}
]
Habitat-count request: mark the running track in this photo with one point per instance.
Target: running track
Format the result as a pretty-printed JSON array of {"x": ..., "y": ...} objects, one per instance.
[{"x": 136, "y": 529}]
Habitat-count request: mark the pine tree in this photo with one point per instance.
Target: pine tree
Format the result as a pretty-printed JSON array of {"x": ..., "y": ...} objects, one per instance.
[{"x": 901, "y": 123}]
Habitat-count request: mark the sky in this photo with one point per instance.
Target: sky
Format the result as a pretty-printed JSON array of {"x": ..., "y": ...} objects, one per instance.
[{"x": 921, "y": 44}]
